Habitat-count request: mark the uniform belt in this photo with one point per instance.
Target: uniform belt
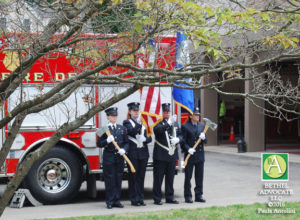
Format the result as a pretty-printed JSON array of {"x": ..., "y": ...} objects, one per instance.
[
  {"x": 139, "y": 144},
  {"x": 162, "y": 146}
]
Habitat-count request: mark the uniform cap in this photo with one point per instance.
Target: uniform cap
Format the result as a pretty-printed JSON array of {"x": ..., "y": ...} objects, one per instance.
[
  {"x": 111, "y": 111},
  {"x": 133, "y": 105},
  {"x": 165, "y": 106},
  {"x": 196, "y": 111}
]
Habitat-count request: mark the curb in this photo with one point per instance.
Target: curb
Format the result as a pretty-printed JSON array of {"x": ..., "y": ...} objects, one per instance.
[{"x": 232, "y": 150}]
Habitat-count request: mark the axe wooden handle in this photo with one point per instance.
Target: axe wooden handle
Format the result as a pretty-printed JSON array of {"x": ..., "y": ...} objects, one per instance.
[
  {"x": 132, "y": 169},
  {"x": 195, "y": 146}
]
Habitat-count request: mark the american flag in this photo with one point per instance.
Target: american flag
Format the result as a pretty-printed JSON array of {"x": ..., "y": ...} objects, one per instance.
[
  {"x": 150, "y": 103},
  {"x": 150, "y": 107}
]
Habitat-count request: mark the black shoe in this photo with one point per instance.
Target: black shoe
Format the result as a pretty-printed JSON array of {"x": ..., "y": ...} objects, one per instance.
[
  {"x": 109, "y": 206},
  {"x": 189, "y": 201},
  {"x": 158, "y": 203},
  {"x": 135, "y": 204},
  {"x": 174, "y": 201},
  {"x": 118, "y": 205},
  {"x": 200, "y": 199},
  {"x": 142, "y": 203}
]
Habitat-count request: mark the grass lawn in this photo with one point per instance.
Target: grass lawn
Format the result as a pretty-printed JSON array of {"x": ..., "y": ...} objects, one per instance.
[{"x": 245, "y": 212}]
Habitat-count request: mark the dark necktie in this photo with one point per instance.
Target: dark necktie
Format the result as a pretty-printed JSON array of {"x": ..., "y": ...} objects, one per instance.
[{"x": 195, "y": 128}]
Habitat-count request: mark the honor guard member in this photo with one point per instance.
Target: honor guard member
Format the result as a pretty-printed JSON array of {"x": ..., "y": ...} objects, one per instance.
[
  {"x": 138, "y": 153},
  {"x": 192, "y": 130},
  {"x": 165, "y": 153},
  {"x": 113, "y": 162}
]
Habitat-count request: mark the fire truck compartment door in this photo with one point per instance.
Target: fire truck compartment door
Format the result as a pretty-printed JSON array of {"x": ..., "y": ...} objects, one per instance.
[{"x": 75, "y": 105}]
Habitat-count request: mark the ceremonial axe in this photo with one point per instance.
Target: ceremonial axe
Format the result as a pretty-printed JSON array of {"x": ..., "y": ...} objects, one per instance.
[
  {"x": 106, "y": 130},
  {"x": 208, "y": 124}
]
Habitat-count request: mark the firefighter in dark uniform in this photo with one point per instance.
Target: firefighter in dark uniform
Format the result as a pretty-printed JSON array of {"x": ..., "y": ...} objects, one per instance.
[
  {"x": 192, "y": 130},
  {"x": 113, "y": 162},
  {"x": 138, "y": 153},
  {"x": 165, "y": 153}
]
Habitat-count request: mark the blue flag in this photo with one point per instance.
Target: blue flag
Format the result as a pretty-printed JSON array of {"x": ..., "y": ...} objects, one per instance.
[{"x": 182, "y": 97}]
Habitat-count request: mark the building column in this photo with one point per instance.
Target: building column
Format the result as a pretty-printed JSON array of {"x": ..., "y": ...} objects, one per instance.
[
  {"x": 254, "y": 122},
  {"x": 209, "y": 109}
]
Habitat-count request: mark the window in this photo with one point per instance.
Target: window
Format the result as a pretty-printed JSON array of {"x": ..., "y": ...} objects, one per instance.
[
  {"x": 26, "y": 25},
  {"x": 3, "y": 23}
]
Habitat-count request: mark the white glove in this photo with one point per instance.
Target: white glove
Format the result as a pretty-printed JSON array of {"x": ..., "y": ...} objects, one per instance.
[
  {"x": 139, "y": 119},
  {"x": 121, "y": 151},
  {"x": 140, "y": 138},
  {"x": 191, "y": 151},
  {"x": 110, "y": 138},
  {"x": 172, "y": 119},
  {"x": 174, "y": 140},
  {"x": 202, "y": 136}
]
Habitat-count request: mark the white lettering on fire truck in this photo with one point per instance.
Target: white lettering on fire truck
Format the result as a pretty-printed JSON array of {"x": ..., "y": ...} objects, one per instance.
[{"x": 39, "y": 77}]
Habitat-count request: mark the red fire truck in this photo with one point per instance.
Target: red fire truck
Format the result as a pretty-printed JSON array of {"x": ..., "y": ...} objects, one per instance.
[{"x": 57, "y": 177}]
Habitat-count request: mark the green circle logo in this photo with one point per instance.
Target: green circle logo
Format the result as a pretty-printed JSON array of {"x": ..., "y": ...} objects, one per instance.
[{"x": 275, "y": 166}]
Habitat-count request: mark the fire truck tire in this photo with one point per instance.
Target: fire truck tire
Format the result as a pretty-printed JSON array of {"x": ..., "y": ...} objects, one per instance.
[{"x": 55, "y": 178}]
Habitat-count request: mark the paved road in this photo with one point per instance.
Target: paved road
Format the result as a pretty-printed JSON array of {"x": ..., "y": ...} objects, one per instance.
[{"x": 229, "y": 179}]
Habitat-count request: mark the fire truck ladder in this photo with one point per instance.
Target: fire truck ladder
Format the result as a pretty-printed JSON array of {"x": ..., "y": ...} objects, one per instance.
[{"x": 19, "y": 199}]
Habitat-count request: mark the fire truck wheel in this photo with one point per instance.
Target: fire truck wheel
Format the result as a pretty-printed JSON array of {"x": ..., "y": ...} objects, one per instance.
[{"x": 55, "y": 178}]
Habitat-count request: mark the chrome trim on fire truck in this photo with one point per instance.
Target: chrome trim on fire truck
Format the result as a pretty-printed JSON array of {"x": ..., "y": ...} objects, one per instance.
[
  {"x": 91, "y": 151},
  {"x": 15, "y": 154},
  {"x": 54, "y": 175},
  {"x": 95, "y": 171},
  {"x": 48, "y": 128},
  {"x": 6, "y": 175},
  {"x": 88, "y": 139}
]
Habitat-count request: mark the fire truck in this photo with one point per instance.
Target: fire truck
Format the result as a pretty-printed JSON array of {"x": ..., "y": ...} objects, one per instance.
[{"x": 57, "y": 177}]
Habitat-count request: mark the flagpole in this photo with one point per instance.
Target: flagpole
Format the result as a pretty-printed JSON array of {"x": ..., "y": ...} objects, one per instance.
[{"x": 179, "y": 150}]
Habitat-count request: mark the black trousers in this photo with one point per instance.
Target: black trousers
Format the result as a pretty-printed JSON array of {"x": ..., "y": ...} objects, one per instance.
[
  {"x": 113, "y": 173},
  {"x": 136, "y": 180},
  {"x": 199, "y": 172},
  {"x": 161, "y": 169}
]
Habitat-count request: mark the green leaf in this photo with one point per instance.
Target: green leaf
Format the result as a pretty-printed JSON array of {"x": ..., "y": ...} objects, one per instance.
[
  {"x": 139, "y": 27},
  {"x": 209, "y": 11},
  {"x": 196, "y": 44},
  {"x": 265, "y": 16},
  {"x": 295, "y": 39}
]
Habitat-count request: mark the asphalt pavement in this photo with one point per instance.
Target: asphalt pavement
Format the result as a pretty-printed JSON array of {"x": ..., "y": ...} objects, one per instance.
[{"x": 229, "y": 178}]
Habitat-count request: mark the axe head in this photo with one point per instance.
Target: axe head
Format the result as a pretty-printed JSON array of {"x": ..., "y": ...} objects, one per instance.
[
  {"x": 102, "y": 130},
  {"x": 210, "y": 124}
]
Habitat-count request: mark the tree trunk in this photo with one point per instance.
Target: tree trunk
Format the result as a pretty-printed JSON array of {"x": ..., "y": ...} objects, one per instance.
[{"x": 11, "y": 137}]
